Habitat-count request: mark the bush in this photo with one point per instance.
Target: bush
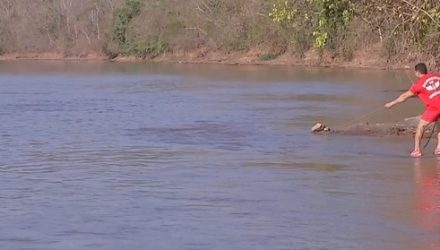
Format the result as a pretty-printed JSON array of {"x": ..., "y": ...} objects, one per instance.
[
  {"x": 122, "y": 18},
  {"x": 389, "y": 48},
  {"x": 150, "y": 48},
  {"x": 268, "y": 57},
  {"x": 110, "y": 49}
]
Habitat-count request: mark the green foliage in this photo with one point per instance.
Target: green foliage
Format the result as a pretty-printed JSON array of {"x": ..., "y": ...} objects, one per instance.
[
  {"x": 214, "y": 5},
  {"x": 268, "y": 57},
  {"x": 122, "y": 18},
  {"x": 404, "y": 26},
  {"x": 133, "y": 43},
  {"x": 295, "y": 23},
  {"x": 328, "y": 17},
  {"x": 321, "y": 38},
  {"x": 150, "y": 48},
  {"x": 333, "y": 18},
  {"x": 283, "y": 12},
  {"x": 426, "y": 23}
]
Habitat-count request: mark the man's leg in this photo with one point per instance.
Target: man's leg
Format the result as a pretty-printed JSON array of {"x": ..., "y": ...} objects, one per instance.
[
  {"x": 418, "y": 138},
  {"x": 437, "y": 128}
]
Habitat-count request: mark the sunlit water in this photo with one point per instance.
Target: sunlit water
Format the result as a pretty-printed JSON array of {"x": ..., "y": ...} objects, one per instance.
[{"x": 138, "y": 156}]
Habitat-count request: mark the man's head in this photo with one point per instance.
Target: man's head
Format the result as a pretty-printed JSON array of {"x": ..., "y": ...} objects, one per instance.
[{"x": 421, "y": 69}]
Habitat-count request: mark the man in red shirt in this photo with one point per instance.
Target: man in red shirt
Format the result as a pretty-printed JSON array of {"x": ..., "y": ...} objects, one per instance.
[{"x": 427, "y": 88}]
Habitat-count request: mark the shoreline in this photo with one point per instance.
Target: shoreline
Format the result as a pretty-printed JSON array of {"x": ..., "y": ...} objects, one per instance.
[{"x": 361, "y": 60}]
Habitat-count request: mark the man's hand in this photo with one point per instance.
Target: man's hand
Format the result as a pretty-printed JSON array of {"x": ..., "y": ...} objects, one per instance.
[
  {"x": 389, "y": 105},
  {"x": 403, "y": 97}
]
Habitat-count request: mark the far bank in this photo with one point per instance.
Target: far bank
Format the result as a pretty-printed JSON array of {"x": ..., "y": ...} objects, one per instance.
[{"x": 366, "y": 59}]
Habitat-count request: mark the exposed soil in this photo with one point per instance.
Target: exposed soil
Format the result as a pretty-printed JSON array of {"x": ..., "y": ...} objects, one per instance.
[
  {"x": 52, "y": 56},
  {"x": 368, "y": 58},
  {"x": 362, "y": 59}
]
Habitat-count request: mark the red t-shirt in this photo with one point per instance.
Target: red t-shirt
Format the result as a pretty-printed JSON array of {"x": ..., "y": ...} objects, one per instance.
[{"x": 427, "y": 88}]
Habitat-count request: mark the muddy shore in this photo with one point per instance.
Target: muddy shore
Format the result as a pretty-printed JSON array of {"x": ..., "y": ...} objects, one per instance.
[
  {"x": 368, "y": 59},
  {"x": 407, "y": 127}
]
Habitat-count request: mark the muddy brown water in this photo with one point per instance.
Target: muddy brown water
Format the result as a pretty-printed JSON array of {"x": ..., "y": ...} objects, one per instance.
[{"x": 140, "y": 156}]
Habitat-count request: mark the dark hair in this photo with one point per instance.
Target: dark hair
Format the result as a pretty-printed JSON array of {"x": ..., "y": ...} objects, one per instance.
[{"x": 421, "y": 68}]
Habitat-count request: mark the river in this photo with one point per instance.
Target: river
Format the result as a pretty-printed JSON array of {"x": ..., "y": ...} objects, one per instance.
[{"x": 169, "y": 156}]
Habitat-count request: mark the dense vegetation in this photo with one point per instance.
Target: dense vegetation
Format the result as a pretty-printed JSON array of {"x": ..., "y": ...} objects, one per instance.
[{"x": 399, "y": 29}]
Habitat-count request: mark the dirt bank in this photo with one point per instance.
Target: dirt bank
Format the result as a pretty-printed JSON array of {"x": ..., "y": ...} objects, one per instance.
[
  {"x": 258, "y": 56},
  {"x": 369, "y": 58},
  {"x": 52, "y": 56}
]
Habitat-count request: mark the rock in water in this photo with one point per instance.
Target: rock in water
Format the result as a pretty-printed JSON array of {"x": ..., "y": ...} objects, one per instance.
[{"x": 319, "y": 127}]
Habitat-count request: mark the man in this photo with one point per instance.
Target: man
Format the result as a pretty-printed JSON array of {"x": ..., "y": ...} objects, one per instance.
[{"x": 427, "y": 88}]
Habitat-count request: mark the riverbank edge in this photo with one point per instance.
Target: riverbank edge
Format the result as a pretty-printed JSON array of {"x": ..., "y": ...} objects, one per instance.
[{"x": 366, "y": 59}]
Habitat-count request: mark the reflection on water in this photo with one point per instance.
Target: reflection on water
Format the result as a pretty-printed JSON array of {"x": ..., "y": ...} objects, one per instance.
[
  {"x": 325, "y": 167},
  {"x": 427, "y": 178},
  {"x": 158, "y": 156}
]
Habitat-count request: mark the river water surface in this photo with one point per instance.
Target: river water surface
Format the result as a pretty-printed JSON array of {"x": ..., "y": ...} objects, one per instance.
[{"x": 139, "y": 156}]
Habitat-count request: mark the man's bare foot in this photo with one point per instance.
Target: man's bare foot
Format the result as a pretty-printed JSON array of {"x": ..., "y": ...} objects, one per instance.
[{"x": 416, "y": 154}]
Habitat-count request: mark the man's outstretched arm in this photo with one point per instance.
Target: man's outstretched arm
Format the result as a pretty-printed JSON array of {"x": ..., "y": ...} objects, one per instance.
[{"x": 403, "y": 97}]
